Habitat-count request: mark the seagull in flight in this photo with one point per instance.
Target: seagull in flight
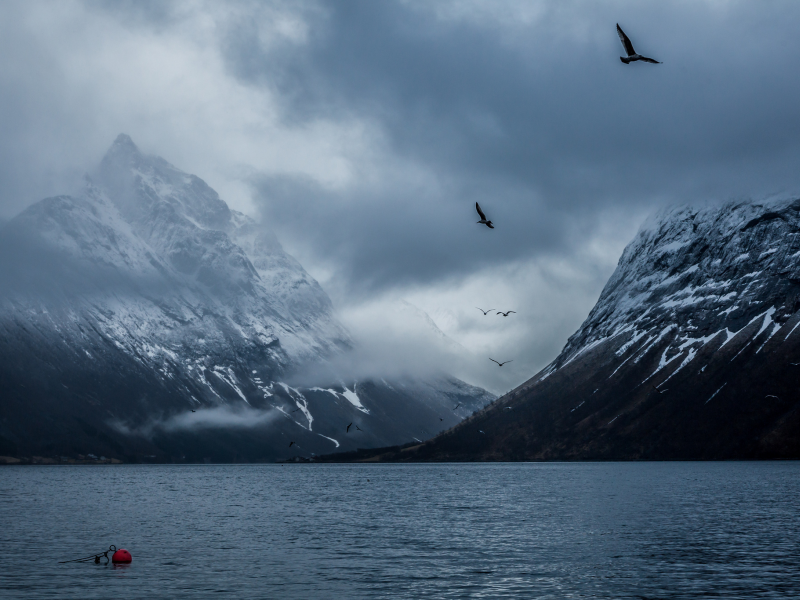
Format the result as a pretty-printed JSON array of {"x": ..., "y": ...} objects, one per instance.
[
  {"x": 505, "y": 314},
  {"x": 481, "y": 431},
  {"x": 632, "y": 55},
  {"x": 359, "y": 428},
  {"x": 483, "y": 217},
  {"x": 291, "y": 444},
  {"x": 348, "y": 428},
  {"x": 500, "y": 363},
  {"x": 658, "y": 390},
  {"x": 485, "y": 312},
  {"x": 457, "y": 405}
]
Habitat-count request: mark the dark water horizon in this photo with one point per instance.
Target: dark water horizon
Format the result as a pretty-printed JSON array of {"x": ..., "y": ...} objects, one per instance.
[{"x": 640, "y": 530}]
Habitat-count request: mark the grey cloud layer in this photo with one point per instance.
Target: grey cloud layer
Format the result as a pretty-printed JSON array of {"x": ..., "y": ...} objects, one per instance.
[
  {"x": 540, "y": 123},
  {"x": 369, "y": 129}
]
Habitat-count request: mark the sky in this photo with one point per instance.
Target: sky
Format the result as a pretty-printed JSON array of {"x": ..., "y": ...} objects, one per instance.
[{"x": 364, "y": 132}]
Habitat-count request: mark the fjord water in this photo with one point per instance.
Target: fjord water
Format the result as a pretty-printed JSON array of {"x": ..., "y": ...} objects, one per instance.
[{"x": 553, "y": 530}]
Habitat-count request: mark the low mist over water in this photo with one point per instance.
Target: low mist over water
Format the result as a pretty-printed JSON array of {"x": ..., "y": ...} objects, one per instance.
[{"x": 559, "y": 530}]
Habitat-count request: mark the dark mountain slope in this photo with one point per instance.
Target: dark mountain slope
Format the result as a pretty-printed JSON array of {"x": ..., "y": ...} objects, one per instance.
[{"x": 704, "y": 306}]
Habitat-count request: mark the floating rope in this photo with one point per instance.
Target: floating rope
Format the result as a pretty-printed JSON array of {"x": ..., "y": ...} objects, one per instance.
[{"x": 95, "y": 558}]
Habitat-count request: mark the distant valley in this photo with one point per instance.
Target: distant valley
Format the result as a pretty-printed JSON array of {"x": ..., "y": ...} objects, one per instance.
[{"x": 691, "y": 352}]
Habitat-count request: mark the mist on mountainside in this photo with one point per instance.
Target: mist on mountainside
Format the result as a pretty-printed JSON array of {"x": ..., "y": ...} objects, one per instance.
[{"x": 145, "y": 313}]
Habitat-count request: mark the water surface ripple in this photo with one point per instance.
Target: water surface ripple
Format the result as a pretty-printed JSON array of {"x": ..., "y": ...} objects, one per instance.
[{"x": 554, "y": 530}]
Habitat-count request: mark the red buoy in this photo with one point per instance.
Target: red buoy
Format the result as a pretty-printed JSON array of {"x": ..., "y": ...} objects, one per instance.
[{"x": 121, "y": 556}]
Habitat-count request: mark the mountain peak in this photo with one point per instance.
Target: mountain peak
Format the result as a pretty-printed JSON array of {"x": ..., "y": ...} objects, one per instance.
[
  {"x": 122, "y": 154},
  {"x": 156, "y": 299},
  {"x": 124, "y": 141}
]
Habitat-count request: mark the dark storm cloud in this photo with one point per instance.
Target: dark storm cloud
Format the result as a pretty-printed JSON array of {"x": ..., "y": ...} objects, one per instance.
[
  {"x": 538, "y": 121},
  {"x": 368, "y": 131}
]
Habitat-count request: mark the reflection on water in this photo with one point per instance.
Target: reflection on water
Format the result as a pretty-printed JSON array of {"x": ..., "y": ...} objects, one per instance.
[{"x": 602, "y": 530}]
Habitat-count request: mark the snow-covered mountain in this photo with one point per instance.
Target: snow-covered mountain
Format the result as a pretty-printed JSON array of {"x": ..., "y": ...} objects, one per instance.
[
  {"x": 692, "y": 351},
  {"x": 698, "y": 278},
  {"x": 144, "y": 298}
]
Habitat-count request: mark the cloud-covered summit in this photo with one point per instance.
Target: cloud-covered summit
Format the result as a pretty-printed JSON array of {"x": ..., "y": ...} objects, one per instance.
[{"x": 364, "y": 132}]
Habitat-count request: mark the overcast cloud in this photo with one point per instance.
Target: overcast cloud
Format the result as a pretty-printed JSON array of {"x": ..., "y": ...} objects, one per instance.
[{"x": 364, "y": 132}]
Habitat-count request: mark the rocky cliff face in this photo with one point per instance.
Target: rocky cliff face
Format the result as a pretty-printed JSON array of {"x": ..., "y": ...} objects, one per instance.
[
  {"x": 143, "y": 317},
  {"x": 692, "y": 351}
]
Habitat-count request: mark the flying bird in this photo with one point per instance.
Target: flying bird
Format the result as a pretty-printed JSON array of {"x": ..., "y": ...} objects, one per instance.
[
  {"x": 795, "y": 364},
  {"x": 485, "y": 312},
  {"x": 295, "y": 410},
  {"x": 505, "y": 314},
  {"x": 658, "y": 390},
  {"x": 632, "y": 55},
  {"x": 481, "y": 431},
  {"x": 483, "y": 217},
  {"x": 457, "y": 405},
  {"x": 771, "y": 396},
  {"x": 291, "y": 444},
  {"x": 193, "y": 410},
  {"x": 500, "y": 363},
  {"x": 359, "y": 428},
  {"x": 441, "y": 419},
  {"x": 348, "y": 428},
  {"x": 508, "y": 408}
]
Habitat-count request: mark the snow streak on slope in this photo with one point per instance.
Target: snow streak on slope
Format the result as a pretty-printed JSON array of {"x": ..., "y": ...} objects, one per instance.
[
  {"x": 693, "y": 278},
  {"x": 352, "y": 398}
]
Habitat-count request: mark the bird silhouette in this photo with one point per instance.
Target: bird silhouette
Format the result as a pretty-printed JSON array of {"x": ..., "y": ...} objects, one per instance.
[
  {"x": 457, "y": 405},
  {"x": 291, "y": 444},
  {"x": 348, "y": 428},
  {"x": 359, "y": 428},
  {"x": 441, "y": 419},
  {"x": 485, "y": 312},
  {"x": 483, "y": 217},
  {"x": 658, "y": 390},
  {"x": 193, "y": 410},
  {"x": 295, "y": 410},
  {"x": 505, "y": 314},
  {"x": 632, "y": 55},
  {"x": 501, "y": 363}
]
